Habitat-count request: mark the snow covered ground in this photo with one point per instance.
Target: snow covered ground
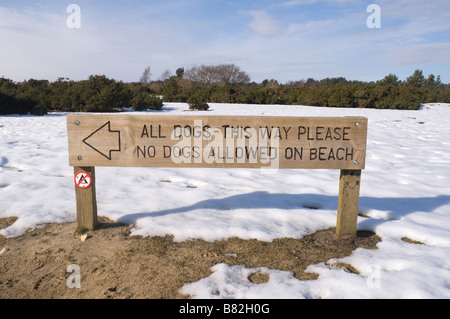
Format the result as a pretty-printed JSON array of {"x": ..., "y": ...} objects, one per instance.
[{"x": 405, "y": 192}]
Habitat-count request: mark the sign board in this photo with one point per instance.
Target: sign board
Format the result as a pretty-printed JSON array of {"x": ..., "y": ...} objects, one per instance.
[{"x": 217, "y": 141}]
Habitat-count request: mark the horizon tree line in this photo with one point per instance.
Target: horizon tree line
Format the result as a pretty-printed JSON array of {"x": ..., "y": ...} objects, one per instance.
[{"x": 222, "y": 83}]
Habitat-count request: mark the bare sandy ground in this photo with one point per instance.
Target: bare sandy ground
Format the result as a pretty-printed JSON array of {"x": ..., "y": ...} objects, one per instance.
[{"x": 112, "y": 264}]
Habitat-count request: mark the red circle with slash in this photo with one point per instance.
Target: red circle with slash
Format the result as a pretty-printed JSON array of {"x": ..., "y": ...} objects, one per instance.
[{"x": 83, "y": 180}]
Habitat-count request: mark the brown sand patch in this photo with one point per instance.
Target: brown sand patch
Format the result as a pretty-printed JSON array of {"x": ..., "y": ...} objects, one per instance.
[{"x": 114, "y": 264}]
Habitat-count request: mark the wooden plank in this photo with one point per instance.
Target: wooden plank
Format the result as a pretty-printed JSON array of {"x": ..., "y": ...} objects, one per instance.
[
  {"x": 217, "y": 141},
  {"x": 348, "y": 202},
  {"x": 86, "y": 201}
]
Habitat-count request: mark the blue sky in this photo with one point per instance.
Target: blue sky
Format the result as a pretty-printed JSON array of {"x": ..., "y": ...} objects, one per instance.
[{"x": 286, "y": 40}]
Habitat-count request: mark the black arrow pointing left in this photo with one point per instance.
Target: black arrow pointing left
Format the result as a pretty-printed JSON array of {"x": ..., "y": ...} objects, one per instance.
[{"x": 104, "y": 140}]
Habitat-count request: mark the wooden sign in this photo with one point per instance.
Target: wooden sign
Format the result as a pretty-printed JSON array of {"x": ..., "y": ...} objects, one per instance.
[{"x": 217, "y": 141}]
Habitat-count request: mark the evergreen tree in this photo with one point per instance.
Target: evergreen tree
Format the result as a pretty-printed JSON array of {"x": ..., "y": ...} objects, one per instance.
[
  {"x": 416, "y": 80},
  {"x": 390, "y": 79}
]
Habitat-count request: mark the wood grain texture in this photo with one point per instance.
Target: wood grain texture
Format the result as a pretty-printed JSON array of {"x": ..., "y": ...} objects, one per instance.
[
  {"x": 348, "y": 202},
  {"x": 86, "y": 201},
  {"x": 217, "y": 141}
]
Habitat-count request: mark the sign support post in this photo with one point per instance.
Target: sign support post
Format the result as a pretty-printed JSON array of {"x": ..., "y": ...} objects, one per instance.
[
  {"x": 347, "y": 213},
  {"x": 86, "y": 199}
]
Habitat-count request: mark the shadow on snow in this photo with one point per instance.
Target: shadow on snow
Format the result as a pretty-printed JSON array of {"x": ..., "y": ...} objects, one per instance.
[{"x": 395, "y": 208}]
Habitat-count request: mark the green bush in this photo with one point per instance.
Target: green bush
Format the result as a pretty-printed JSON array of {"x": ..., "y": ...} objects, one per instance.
[
  {"x": 144, "y": 99},
  {"x": 197, "y": 101},
  {"x": 24, "y": 98},
  {"x": 10, "y": 105}
]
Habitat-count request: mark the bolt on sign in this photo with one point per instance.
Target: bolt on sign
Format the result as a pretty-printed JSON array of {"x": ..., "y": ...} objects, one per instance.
[{"x": 256, "y": 142}]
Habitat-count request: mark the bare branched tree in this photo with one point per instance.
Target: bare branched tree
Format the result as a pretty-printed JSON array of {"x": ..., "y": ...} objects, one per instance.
[
  {"x": 231, "y": 74},
  {"x": 166, "y": 75},
  {"x": 222, "y": 73},
  {"x": 145, "y": 77},
  {"x": 203, "y": 74}
]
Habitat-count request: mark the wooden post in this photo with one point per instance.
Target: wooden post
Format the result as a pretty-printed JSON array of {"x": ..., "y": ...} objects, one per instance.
[
  {"x": 86, "y": 201},
  {"x": 347, "y": 214}
]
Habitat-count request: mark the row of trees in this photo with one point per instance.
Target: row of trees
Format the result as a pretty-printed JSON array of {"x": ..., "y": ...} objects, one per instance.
[
  {"x": 216, "y": 84},
  {"x": 96, "y": 94},
  {"x": 388, "y": 93}
]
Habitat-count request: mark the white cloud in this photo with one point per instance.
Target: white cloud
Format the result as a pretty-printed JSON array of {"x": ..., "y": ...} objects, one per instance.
[
  {"x": 38, "y": 44},
  {"x": 313, "y": 26},
  {"x": 298, "y": 2},
  {"x": 420, "y": 54},
  {"x": 292, "y": 3},
  {"x": 263, "y": 23}
]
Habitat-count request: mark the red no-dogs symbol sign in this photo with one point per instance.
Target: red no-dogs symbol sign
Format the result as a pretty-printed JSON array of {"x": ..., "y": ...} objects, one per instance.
[{"x": 83, "y": 179}]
